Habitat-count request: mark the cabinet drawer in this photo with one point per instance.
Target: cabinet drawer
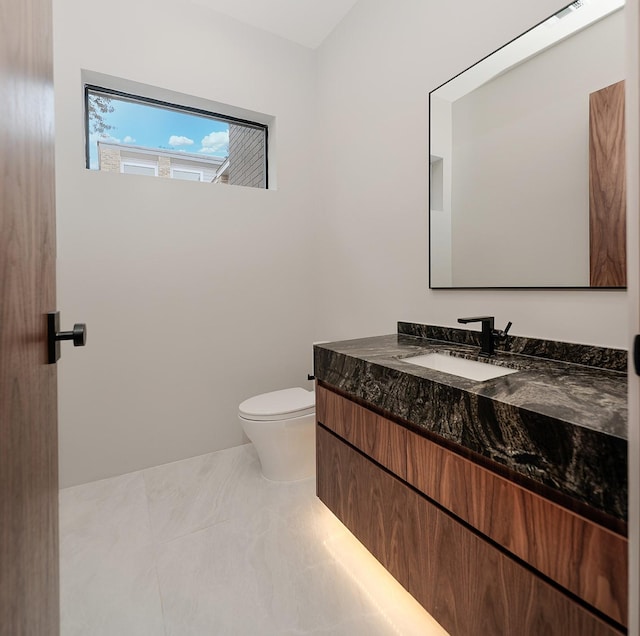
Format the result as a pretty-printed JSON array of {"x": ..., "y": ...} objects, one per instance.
[
  {"x": 578, "y": 554},
  {"x": 467, "y": 584},
  {"x": 376, "y": 436}
]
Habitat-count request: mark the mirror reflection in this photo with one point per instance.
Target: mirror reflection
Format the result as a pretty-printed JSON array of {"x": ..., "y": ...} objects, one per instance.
[{"x": 527, "y": 159}]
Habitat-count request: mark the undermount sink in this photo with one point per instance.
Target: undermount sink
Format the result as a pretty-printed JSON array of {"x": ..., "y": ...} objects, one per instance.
[{"x": 470, "y": 369}]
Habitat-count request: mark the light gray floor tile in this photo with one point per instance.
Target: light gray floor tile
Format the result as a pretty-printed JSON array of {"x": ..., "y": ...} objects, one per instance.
[
  {"x": 108, "y": 580},
  {"x": 196, "y": 493},
  {"x": 207, "y": 546}
]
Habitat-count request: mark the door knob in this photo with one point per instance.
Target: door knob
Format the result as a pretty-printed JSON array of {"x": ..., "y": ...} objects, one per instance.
[{"x": 78, "y": 334}]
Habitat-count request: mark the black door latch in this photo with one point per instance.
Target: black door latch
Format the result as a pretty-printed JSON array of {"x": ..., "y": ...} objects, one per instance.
[{"x": 54, "y": 336}]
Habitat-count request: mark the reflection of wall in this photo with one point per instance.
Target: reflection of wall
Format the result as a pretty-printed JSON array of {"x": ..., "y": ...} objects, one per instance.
[
  {"x": 440, "y": 189},
  {"x": 521, "y": 169}
]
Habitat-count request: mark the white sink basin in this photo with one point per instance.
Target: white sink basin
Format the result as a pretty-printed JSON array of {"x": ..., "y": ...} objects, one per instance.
[{"x": 470, "y": 369}]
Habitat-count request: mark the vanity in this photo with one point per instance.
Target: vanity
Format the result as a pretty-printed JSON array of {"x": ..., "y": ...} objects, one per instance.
[{"x": 499, "y": 504}]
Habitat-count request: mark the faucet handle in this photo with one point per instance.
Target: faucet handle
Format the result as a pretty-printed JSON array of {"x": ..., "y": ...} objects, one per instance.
[{"x": 503, "y": 334}]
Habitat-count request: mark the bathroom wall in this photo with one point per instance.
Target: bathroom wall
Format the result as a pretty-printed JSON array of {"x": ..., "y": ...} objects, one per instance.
[
  {"x": 375, "y": 73},
  {"x": 196, "y": 296}
]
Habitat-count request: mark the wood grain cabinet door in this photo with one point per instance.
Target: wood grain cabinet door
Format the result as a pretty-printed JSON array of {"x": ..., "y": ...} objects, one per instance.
[
  {"x": 376, "y": 436},
  {"x": 468, "y": 585},
  {"x": 581, "y": 556},
  {"x": 29, "y": 596},
  {"x": 607, "y": 188}
]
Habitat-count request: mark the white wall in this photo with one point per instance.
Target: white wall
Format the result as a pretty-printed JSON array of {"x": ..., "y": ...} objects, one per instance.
[
  {"x": 375, "y": 73},
  {"x": 196, "y": 296}
]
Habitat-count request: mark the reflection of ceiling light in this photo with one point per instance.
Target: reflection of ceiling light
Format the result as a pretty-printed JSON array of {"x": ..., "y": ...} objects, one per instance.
[
  {"x": 533, "y": 42},
  {"x": 570, "y": 9},
  {"x": 608, "y": 5}
]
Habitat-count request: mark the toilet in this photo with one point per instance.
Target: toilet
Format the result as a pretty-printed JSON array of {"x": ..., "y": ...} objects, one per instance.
[{"x": 281, "y": 425}]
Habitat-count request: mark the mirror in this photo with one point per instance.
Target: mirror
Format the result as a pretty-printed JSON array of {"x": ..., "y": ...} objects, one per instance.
[{"x": 527, "y": 160}]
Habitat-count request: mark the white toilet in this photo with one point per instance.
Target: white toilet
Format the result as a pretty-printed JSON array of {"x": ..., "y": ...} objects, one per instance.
[{"x": 281, "y": 425}]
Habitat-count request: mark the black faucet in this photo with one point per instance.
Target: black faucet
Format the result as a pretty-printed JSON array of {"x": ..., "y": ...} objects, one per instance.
[{"x": 489, "y": 334}]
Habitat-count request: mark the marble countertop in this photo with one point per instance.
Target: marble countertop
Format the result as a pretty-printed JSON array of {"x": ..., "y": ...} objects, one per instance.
[{"x": 557, "y": 422}]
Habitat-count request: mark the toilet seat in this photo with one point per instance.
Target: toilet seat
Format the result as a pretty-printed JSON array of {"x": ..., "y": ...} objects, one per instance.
[{"x": 278, "y": 405}]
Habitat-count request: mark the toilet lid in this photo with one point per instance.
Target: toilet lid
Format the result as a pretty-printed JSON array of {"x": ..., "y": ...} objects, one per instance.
[{"x": 277, "y": 405}]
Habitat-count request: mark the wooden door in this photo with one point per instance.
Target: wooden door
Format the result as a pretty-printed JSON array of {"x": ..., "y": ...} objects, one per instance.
[{"x": 29, "y": 594}]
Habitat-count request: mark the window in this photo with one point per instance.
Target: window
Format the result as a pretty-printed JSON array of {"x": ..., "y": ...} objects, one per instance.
[
  {"x": 131, "y": 134},
  {"x": 137, "y": 168},
  {"x": 186, "y": 175}
]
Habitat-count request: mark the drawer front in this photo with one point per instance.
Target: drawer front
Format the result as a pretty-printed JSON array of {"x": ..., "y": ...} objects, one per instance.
[
  {"x": 581, "y": 556},
  {"x": 468, "y": 585},
  {"x": 376, "y": 436}
]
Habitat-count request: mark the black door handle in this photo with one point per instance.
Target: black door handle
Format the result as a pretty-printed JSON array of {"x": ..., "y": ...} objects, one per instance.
[{"x": 78, "y": 334}]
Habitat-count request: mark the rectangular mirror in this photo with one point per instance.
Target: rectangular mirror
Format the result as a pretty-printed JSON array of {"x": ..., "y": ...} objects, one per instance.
[{"x": 527, "y": 170}]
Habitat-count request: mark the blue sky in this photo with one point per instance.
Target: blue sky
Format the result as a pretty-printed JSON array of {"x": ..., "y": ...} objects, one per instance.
[{"x": 154, "y": 127}]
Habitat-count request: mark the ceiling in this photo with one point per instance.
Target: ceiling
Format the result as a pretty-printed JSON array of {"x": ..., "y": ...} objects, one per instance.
[{"x": 307, "y": 22}]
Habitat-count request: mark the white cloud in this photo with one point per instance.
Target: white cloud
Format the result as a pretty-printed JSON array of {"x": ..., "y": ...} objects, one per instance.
[
  {"x": 128, "y": 140},
  {"x": 179, "y": 140},
  {"x": 216, "y": 143}
]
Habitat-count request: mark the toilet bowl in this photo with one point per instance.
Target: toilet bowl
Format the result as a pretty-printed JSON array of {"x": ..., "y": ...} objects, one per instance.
[{"x": 281, "y": 425}]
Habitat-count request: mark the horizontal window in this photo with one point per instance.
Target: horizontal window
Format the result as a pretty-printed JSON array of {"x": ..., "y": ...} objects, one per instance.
[
  {"x": 132, "y": 134},
  {"x": 138, "y": 168},
  {"x": 186, "y": 175}
]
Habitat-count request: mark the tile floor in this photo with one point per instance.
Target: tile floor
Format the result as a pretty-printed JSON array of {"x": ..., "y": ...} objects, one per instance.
[{"x": 207, "y": 546}]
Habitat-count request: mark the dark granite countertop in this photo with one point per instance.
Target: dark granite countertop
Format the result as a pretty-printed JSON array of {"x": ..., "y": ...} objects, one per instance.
[{"x": 561, "y": 420}]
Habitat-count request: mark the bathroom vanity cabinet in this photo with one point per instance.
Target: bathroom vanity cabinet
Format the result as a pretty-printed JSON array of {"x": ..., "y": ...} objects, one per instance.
[
  {"x": 500, "y": 505},
  {"x": 481, "y": 552}
]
